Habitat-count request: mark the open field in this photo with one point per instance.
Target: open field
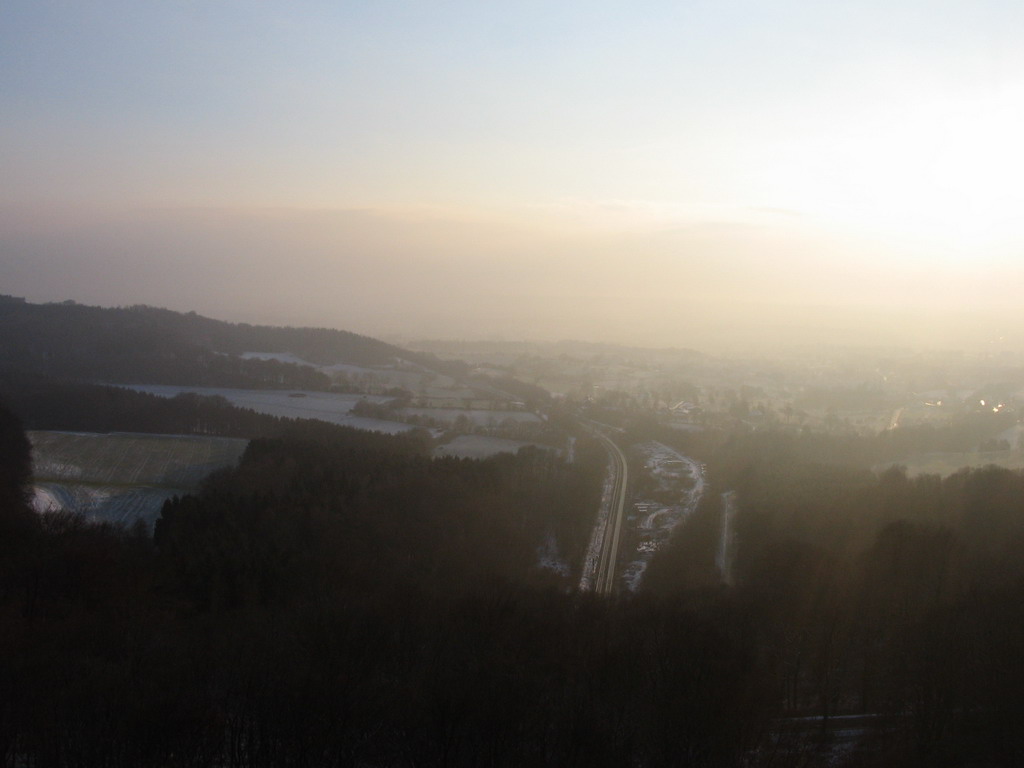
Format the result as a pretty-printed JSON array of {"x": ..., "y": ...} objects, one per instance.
[
  {"x": 121, "y": 477},
  {"x": 331, "y": 407},
  {"x": 410, "y": 376},
  {"x": 336, "y": 408},
  {"x": 129, "y": 458},
  {"x": 115, "y": 504}
]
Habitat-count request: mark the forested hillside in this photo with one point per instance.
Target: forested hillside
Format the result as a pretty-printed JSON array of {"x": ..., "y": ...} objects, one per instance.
[
  {"x": 342, "y": 598},
  {"x": 142, "y": 344},
  {"x": 870, "y": 592},
  {"x": 339, "y": 599}
]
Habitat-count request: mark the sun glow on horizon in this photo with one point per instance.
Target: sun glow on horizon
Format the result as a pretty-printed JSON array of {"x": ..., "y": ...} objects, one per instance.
[{"x": 933, "y": 173}]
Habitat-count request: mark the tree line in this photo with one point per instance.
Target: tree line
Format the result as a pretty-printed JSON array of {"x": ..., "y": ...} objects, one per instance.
[
  {"x": 46, "y": 403},
  {"x": 874, "y": 593},
  {"x": 148, "y": 345},
  {"x": 341, "y": 599}
]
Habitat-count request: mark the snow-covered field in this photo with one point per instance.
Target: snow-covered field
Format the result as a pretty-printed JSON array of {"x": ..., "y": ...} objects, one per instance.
[
  {"x": 122, "y": 477},
  {"x": 422, "y": 383},
  {"x": 549, "y": 558},
  {"x": 120, "y": 458},
  {"x": 407, "y": 375},
  {"x": 331, "y": 407},
  {"x": 655, "y": 520},
  {"x": 478, "y": 447},
  {"x": 115, "y": 504}
]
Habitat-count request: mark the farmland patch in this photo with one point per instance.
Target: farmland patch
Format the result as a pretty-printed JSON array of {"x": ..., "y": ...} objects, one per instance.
[
  {"x": 332, "y": 407},
  {"x": 122, "y": 477}
]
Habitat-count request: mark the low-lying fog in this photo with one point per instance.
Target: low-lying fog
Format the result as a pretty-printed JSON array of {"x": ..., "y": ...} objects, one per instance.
[{"x": 714, "y": 286}]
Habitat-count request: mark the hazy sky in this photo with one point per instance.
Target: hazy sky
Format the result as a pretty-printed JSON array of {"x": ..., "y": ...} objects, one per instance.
[{"x": 659, "y": 172}]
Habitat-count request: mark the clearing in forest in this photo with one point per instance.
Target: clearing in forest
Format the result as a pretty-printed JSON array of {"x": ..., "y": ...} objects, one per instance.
[{"x": 122, "y": 476}]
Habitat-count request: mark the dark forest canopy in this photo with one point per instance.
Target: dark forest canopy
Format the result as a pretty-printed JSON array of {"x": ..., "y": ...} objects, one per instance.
[
  {"x": 140, "y": 344},
  {"x": 341, "y": 599},
  {"x": 15, "y": 475},
  {"x": 735, "y": 450},
  {"x": 304, "y": 513}
]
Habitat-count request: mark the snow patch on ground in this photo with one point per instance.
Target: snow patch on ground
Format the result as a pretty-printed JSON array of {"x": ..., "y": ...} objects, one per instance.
[
  {"x": 334, "y": 407},
  {"x": 122, "y": 477},
  {"x": 44, "y": 500},
  {"x": 331, "y": 407},
  {"x": 656, "y": 520},
  {"x": 548, "y": 557},
  {"x": 110, "y": 504},
  {"x": 593, "y": 556},
  {"x": 399, "y": 374}
]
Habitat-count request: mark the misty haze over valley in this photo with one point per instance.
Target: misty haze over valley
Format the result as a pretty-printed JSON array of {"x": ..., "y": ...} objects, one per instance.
[{"x": 559, "y": 384}]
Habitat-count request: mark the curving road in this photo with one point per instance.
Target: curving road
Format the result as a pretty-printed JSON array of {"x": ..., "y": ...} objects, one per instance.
[{"x": 604, "y": 582}]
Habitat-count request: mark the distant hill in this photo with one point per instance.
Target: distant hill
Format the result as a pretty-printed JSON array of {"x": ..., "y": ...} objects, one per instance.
[
  {"x": 483, "y": 348},
  {"x": 140, "y": 344}
]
